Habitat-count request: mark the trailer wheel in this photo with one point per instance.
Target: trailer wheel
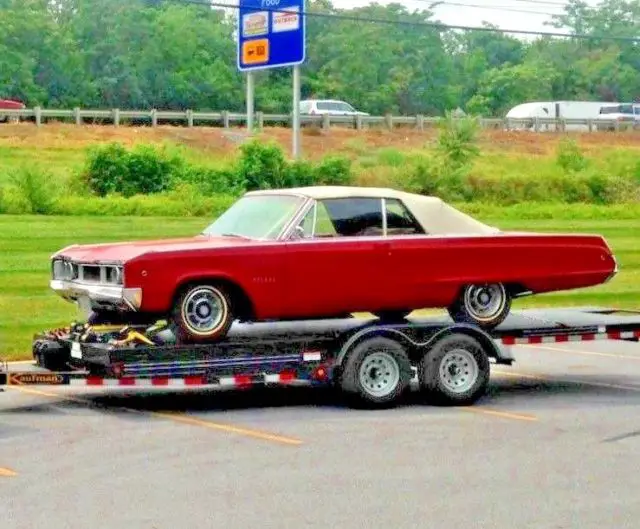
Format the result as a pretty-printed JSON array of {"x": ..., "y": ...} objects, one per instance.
[
  {"x": 376, "y": 372},
  {"x": 455, "y": 370}
]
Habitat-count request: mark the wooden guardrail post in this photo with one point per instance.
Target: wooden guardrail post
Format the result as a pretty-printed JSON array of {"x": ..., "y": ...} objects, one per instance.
[
  {"x": 38, "y": 116},
  {"x": 388, "y": 118},
  {"x": 189, "y": 118},
  {"x": 225, "y": 119},
  {"x": 77, "y": 116},
  {"x": 154, "y": 117},
  {"x": 116, "y": 116}
]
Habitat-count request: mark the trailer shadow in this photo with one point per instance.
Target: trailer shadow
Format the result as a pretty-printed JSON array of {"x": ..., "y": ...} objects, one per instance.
[{"x": 506, "y": 393}]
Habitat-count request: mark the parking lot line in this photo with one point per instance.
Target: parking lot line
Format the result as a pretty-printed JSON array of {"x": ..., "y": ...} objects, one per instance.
[
  {"x": 247, "y": 432},
  {"x": 503, "y": 414},
  {"x": 550, "y": 378},
  {"x": 7, "y": 472},
  {"x": 579, "y": 352},
  {"x": 176, "y": 417}
]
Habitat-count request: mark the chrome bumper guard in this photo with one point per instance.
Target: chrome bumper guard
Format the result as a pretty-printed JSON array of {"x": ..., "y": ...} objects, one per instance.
[{"x": 116, "y": 296}]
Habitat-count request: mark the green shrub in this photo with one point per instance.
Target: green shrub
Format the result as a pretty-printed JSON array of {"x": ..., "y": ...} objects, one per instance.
[
  {"x": 569, "y": 156},
  {"x": 185, "y": 201},
  {"x": 457, "y": 140},
  {"x": 261, "y": 166},
  {"x": 142, "y": 170},
  {"x": 29, "y": 190},
  {"x": 211, "y": 181},
  {"x": 333, "y": 170},
  {"x": 300, "y": 173}
]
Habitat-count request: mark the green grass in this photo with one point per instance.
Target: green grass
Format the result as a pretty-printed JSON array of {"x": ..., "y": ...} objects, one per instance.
[{"x": 26, "y": 243}]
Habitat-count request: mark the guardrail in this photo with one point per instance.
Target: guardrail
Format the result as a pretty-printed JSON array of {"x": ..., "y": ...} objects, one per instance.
[{"x": 229, "y": 119}]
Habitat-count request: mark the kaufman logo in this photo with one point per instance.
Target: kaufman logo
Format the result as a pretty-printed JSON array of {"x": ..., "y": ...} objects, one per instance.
[
  {"x": 289, "y": 21},
  {"x": 254, "y": 24}
]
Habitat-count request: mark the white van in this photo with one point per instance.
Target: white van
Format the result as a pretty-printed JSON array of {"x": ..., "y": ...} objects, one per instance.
[
  {"x": 332, "y": 107},
  {"x": 525, "y": 113}
]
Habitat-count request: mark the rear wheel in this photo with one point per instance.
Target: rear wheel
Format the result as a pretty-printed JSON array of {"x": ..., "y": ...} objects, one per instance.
[
  {"x": 485, "y": 305},
  {"x": 202, "y": 313},
  {"x": 376, "y": 372},
  {"x": 455, "y": 370}
]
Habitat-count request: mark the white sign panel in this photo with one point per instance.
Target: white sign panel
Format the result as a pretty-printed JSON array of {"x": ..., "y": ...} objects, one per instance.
[
  {"x": 255, "y": 24},
  {"x": 288, "y": 21}
]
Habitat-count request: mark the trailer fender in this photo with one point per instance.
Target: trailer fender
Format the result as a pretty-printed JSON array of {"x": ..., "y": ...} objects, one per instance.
[
  {"x": 492, "y": 349},
  {"x": 501, "y": 355}
]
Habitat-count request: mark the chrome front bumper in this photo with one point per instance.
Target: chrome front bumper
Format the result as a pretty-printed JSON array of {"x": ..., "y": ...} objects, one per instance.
[{"x": 98, "y": 296}]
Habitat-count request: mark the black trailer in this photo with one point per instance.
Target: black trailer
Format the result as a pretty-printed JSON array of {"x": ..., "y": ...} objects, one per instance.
[{"x": 370, "y": 361}]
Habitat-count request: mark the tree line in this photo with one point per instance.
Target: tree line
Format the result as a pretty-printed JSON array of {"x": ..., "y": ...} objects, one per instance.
[{"x": 171, "y": 55}]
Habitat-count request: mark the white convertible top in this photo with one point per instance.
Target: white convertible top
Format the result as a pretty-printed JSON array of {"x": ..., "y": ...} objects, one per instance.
[{"x": 436, "y": 216}]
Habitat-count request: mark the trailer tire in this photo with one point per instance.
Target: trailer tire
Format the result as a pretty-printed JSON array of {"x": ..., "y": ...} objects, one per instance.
[
  {"x": 376, "y": 372},
  {"x": 455, "y": 371}
]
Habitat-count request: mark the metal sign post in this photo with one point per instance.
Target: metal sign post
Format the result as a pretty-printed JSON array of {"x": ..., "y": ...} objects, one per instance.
[
  {"x": 250, "y": 99},
  {"x": 271, "y": 34}
]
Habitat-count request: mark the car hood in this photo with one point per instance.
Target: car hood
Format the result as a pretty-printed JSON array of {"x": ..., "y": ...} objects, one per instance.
[{"x": 126, "y": 251}]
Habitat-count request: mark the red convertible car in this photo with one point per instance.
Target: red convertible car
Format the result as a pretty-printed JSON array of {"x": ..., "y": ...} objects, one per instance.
[{"x": 320, "y": 252}]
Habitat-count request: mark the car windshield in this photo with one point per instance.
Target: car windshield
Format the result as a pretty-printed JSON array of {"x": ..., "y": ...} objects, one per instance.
[{"x": 256, "y": 217}]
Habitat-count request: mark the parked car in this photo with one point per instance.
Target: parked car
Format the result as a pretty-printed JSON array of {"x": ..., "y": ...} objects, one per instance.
[
  {"x": 321, "y": 252},
  {"x": 10, "y": 104},
  {"x": 627, "y": 114},
  {"x": 332, "y": 107}
]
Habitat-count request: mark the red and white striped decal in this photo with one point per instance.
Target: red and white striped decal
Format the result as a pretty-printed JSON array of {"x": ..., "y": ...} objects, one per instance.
[
  {"x": 563, "y": 338},
  {"x": 236, "y": 381}
]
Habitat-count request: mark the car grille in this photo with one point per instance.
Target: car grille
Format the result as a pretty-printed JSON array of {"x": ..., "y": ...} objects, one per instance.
[{"x": 87, "y": 273}]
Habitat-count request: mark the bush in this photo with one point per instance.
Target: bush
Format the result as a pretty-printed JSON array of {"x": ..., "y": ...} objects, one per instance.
[
  {"x": 457, "y": 140},
  {"x": 569, "y": 156},
  {"x": 143, "y": 170},
  {"x": 261, "y": 166},
  {"x": 333, "y": 170},
  {"x": 30, "y": 190}
]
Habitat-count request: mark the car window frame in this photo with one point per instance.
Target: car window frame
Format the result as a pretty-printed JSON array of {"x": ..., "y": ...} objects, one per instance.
[{"x": 299, "y": 220}]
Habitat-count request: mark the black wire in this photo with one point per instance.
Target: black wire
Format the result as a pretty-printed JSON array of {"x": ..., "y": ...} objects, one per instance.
[
  {"x": 433, "y": 25},
  {"x": 492, "y": 8}
]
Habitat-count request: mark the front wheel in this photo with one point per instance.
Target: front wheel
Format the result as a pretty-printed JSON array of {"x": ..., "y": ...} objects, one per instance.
[
  {"x": 202, "y": 313},
  {"x": 486, "y": 305}
]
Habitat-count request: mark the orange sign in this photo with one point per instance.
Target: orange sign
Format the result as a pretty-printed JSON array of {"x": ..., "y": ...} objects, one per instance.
[{"x": 255, "y": 51}]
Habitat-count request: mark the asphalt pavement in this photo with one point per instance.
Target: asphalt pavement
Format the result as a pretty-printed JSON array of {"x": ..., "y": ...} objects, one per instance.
[{"x": 554, "y": 444}]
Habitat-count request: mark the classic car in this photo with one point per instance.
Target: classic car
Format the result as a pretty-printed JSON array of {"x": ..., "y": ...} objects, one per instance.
[{"x": 324, "y": 252}]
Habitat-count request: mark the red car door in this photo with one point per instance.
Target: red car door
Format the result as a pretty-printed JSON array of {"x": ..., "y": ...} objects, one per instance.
[
  {"x": 341, "y": 263},
  {"x": 414, "y": 260}
]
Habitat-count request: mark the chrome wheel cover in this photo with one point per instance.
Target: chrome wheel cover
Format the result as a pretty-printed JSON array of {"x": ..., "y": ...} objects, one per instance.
[
  {"x": 485, "y": 302},
  {"x": 204, "y": 310}
]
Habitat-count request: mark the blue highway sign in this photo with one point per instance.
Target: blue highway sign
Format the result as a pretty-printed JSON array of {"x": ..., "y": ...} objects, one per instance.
[{"x": 271, "y": 34}]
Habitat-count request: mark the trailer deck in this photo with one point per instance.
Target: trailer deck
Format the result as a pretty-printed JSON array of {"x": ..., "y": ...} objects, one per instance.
[{"x": 334, "y": 352}]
